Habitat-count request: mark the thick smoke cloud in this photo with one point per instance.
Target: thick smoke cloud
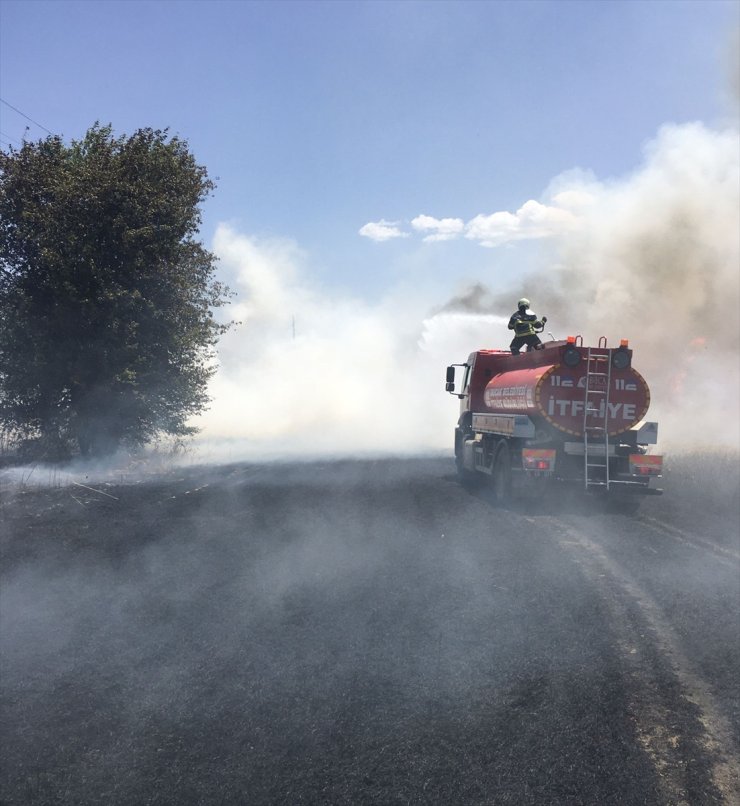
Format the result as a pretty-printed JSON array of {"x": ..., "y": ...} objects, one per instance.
[
  {"x": 652, "y": 257},
  {"x": 317, "y": 372},
  {"x": 656, "y": 259}
]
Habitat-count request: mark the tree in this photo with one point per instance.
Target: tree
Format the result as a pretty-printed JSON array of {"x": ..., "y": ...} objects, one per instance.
[{"x": 107, "y": 328}]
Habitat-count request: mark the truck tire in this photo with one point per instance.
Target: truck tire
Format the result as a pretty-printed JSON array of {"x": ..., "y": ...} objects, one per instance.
[
  {"x": 501, "y": 477},
  {"x": 467, "y": 477}
]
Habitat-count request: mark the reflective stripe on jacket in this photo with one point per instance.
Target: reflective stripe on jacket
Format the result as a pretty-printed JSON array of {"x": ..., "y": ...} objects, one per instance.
[{"x": 523, "y": 324}]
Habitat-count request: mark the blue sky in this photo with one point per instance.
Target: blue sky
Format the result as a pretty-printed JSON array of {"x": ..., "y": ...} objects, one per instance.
[
  {"x": 321, "y": 117},
  {"x": 376, "y": 161}
]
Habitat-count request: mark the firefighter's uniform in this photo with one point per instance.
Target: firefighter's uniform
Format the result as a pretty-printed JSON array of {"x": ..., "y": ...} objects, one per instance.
[{"x": 524, "y": 323}]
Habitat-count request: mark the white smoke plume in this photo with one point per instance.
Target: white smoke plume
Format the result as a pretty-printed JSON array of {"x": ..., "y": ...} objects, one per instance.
[
  {"x": 656, "y": 259},
  {"x": 653, "y": 257},
  {"x": 313, "y": 372}
]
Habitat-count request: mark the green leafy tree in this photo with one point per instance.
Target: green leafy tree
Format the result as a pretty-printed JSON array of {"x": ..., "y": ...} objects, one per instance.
[{"x": 107, "y": 328}]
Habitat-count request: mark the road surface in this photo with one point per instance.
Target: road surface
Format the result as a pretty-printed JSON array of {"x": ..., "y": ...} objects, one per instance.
[{"x": 366, "y": 633}]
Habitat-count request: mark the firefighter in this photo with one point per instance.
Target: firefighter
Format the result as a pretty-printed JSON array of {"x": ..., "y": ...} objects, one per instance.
[{"x": 525, "y": 325}]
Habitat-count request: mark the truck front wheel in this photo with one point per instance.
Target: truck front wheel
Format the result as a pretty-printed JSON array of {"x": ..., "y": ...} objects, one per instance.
[
  {"x": 501, "y": 476},
  {"x": 467, "y": 477}
]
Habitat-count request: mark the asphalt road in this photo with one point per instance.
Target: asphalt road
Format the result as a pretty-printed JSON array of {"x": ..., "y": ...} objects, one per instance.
[{"x": 367, "y": 633}]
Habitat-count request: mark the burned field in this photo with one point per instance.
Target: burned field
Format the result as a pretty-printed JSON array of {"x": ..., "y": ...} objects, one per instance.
[{"x": 367, "y": 632}]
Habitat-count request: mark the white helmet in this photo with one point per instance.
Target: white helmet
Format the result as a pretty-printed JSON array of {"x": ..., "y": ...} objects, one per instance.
[{"x": 523, "y": 303}]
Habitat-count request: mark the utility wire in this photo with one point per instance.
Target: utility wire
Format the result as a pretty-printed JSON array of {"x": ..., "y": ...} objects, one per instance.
[
  {"x": 8, "y": 137},
  {"x": 23, "y": 114}
]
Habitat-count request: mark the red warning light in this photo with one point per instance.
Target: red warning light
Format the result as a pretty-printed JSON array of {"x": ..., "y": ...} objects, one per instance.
[{"x": 571, "y": 339}]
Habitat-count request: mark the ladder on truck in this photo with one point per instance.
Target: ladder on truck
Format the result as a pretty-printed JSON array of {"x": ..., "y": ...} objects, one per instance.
[{"x": 596, "y": 418}]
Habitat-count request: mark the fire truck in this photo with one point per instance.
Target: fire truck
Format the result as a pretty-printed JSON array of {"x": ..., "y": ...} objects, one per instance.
[{"x": 563, "y": 414}]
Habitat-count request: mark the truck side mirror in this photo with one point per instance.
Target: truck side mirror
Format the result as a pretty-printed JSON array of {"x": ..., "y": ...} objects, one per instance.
[
  {"x": 449, "y": 386},
  {"x": 450, "y": 377}
]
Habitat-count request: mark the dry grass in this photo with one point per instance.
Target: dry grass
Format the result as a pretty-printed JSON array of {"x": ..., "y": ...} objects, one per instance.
[{"x": 702, "y": 490}]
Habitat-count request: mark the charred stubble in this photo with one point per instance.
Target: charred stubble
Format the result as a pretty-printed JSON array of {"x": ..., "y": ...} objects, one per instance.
[{"x": 364, "y": 632}]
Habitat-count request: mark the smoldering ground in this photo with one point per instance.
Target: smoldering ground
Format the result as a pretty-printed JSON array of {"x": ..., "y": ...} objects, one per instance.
[{"x": 346, "y": 632}]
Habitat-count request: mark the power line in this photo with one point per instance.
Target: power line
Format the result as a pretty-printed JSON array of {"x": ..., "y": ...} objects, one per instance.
[
  {"x": 8, "y": 137},
  {"x": 23, "y": 114}
]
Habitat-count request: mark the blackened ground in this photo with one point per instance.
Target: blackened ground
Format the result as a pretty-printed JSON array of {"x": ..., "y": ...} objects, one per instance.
[{"x": 368, "y": 632}]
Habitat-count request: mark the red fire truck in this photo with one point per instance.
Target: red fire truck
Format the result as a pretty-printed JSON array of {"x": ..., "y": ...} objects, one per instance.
[{"x": 564, "y": 413}]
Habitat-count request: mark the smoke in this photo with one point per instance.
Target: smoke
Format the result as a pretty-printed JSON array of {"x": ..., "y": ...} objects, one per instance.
[
  {"x": 314, "y": 371},
  {"x": 656, "y": 260},
  {"x": 652, "y": 257}
]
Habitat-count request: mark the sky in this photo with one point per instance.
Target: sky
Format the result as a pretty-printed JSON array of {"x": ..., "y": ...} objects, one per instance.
[{"x": 375, "y": 161}]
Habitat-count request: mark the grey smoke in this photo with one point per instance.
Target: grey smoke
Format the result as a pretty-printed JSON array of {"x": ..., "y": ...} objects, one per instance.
[{"x": 654, "y": 260}]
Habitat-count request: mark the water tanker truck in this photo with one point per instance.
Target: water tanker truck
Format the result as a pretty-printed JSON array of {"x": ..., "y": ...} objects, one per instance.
[{"x": 562, "y": 414}]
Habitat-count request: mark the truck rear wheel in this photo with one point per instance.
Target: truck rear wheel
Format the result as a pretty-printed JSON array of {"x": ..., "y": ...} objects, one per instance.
[{"x": 501, "y": 477}]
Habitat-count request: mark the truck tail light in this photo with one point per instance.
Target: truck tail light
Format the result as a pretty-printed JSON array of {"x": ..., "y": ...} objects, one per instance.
[
  {"x": 645, "y": 465},
  {"x": 538, "y": 459}
]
